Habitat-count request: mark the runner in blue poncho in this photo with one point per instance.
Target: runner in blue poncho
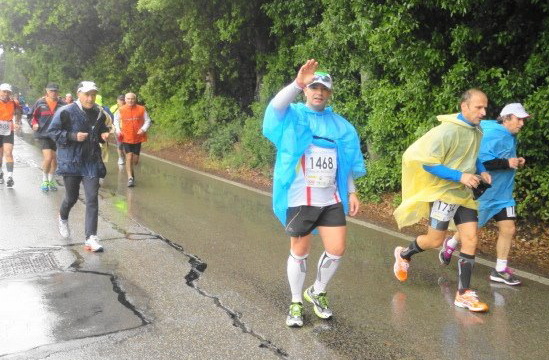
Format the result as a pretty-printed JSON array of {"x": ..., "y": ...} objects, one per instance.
[
  {"x": 318, "y": 158},
  {"x": 498, "y": 152}
]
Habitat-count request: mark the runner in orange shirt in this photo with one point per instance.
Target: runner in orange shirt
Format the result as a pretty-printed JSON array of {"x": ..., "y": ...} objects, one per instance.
[
  {"x": 132, "y": 123},
  {"x": 9, "y": 110}
]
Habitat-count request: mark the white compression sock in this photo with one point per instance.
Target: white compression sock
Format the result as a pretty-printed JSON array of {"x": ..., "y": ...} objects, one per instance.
[
  {"x": 327, "y": 266},
  {"x": 453, "y": 243},
  {"x": 297, "y": 269},
  {"x": 501, "y": 265}
]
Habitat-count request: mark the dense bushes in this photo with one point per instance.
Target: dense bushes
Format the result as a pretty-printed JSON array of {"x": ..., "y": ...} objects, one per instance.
[{"x": 206, "y": 69}]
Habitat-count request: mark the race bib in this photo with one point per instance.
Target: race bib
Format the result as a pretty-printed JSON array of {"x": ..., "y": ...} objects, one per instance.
[
  {"x": 5, "y": 127},
  {"x": 320, "y": 166},
  {"x": 442, "y": 211}
]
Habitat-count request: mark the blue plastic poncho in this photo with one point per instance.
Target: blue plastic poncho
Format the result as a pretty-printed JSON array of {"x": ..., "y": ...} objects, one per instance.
[
  {"x": 292, "y": 132},
  {"x": 497, "y": 143}
]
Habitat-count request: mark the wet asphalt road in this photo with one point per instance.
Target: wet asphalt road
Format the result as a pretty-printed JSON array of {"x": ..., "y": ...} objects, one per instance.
[{"x": 195, "y": 268}]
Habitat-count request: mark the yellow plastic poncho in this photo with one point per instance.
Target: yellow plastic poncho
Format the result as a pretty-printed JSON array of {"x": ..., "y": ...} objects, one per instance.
[{"x": 454, "y": 144}]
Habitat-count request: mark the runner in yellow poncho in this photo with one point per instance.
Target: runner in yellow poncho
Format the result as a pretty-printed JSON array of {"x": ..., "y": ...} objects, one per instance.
[{"x": 439, "y": 172}]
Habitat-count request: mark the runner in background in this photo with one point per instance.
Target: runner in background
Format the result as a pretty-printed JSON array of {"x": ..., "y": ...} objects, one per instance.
[
  {"x": 132, "y": 123},
  {"x": 42, "y": 115},
  {"x": 120, "y": 101},
  {"x": 69, "y": 98},
  {"x": 10, "y": 121}
]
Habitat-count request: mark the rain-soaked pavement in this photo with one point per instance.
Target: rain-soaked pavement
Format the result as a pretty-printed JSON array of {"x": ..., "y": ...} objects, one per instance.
[{"x": 194, "y": 268}]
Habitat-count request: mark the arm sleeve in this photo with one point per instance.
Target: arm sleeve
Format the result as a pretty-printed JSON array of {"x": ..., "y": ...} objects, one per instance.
[
  {"x": 480, "y": 167},
  {"x": 278, "y": 112},
  {"x": 117, "y": 122},
  {"x": 147, "y": 123},
  {"x": 34, "y": 116},
  {"x": 443, "y": 172},
  {"x": 285, "y": 97},
  {"x": 351, "y": 188},
  {"x": 497, "y": 164}
]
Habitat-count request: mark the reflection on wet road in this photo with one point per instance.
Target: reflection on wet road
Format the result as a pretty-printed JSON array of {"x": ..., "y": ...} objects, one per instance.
[
  {"x": 22, "y": 305},
  {"x": 232, "y": 231}
]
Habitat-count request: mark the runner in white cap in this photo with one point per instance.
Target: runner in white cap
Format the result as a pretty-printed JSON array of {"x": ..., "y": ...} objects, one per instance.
[{"x": 78, "y": 129}]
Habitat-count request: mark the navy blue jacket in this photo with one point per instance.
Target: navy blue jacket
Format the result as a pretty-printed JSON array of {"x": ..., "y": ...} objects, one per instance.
[{"x": 79, "y": 158}]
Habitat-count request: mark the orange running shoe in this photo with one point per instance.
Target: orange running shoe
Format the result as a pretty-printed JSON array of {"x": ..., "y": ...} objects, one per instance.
[
  {"x": 401, "y": 265},
  {"x": 469, "y": 300}
]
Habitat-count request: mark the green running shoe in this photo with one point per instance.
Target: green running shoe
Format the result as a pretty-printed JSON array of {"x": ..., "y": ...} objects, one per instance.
[
  {"x": 295, "y": 315},
  {"x": 44, "y": 186},
  {"x": 320, "y": 303},
  {"x": 52, "y": 185}
]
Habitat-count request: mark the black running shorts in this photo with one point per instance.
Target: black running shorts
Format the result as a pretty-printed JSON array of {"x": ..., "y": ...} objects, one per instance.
[
  {"x": 302, "y": 220},
  {"x": 132, "y": 148},
  {"x": 462, "y": 215},
  {"x": 6, "y": 139},
  {"x": 508, "y": 213},
  {"x": 47, "y": 144}
]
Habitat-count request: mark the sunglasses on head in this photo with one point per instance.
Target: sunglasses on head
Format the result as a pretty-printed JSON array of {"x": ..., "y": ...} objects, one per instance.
[{"x": 322, "y": 77}]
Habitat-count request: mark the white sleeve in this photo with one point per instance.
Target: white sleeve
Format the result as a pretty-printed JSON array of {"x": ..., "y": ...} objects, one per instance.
[
  {"x": 116, "y": 122},
  {"x": 351, "y": 188},
  {"x": 285, "y": 97},
  {"x": 147, "y": 123}
]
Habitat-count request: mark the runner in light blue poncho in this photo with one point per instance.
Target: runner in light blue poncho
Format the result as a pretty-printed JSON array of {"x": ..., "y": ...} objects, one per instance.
[
  {"x": 497, "y": 143},
  {"x": 318, "y": 158},
  {"x": 293, "y": 131}
]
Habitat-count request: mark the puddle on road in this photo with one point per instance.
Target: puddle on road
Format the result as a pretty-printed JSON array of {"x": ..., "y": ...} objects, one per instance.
[{"x": 43, "y": 304}]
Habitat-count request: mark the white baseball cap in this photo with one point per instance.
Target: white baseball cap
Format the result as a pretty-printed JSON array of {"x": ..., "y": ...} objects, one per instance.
[
  {"x": 87, "y": 86},
  {"x": 514, "y": 109},
  {"x": 322, "y": 78},
  {"x": 6, "y": 87}
]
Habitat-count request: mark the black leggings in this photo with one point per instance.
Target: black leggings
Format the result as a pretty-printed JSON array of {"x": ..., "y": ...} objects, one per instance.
[{"x": 91, "y": 191}]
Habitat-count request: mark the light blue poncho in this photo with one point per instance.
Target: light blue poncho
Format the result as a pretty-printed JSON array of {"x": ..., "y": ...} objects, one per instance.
[
  {"x": 292, "y": 132},
  {"x": 497, "y": 143}
]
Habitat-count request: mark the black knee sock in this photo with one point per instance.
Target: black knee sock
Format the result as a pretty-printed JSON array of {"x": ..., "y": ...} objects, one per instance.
[
  {"x": 412, "y": 249},
  {"x": 465, "y": 270}
]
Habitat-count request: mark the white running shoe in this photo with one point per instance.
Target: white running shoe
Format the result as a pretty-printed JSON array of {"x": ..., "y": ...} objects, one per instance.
[
  {"x": 295, "y": 315},
  {"x": 64, "y": 228},
  {"x": 121, "y": 161},
  {"x": 320, "y": 303},
  {"x": 92, "y": 244}
]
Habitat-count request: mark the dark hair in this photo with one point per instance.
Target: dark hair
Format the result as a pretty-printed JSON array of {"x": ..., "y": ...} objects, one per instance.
[
  {"x": 121, "y": 97},
  {"x": 467, "y": 95},
  {"x": 501, "y": 119}
]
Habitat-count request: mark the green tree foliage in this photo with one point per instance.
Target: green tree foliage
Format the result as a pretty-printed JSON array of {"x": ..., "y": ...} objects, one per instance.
[{"x": 206, "y": 69}]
